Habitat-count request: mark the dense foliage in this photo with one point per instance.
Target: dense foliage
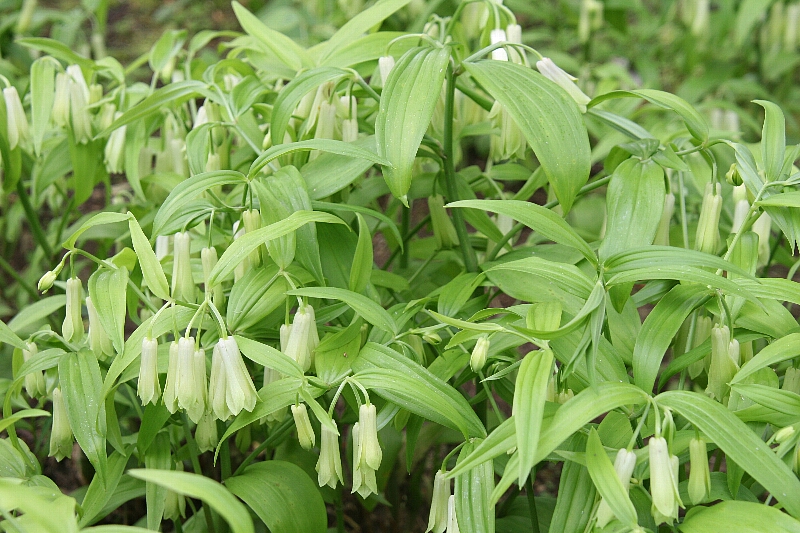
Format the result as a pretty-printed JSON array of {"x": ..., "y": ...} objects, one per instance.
[{"x": 296, "y": 284}]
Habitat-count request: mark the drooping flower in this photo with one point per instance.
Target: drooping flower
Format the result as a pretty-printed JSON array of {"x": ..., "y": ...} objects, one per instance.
[
  {"x": 183, "y": 287},
  {"x": 554, "y": 73},
  {"x": 61, "y": 100},
  {"x": 329, "y": 465},
  {"x": 707, "y": 236},
  {"x": 302, "y": 337},
  {"x": 452, "y": 518},
  {"x": 191, "y": 382},
  {"x": 17, "y": 123},
  {"x": 206, "y": 432},
  {"x": 149, "y": 388},
  {"x": 305, "y": 433},
  {"x": 478, "y": 357},
  {"x": 99, "y": 341},
  {"x": 114, "y": 153},
  {"x": 367, "y": 454},
  {"x": 231, "y": 388},
  {"x": 72, "y": 328},
  {"x": 79, "y": 96},
  {"x": 498, "y": 36},
  {"x": 385, "y": 66},
  {"x": 61, "y": 433},
  {"x": 208, "y": 257},
  {"x": 699, "y": 475},
  {"x": 724, "y": 362},
  {"x": 170, "y": 388},
  {"x": 437, "y": 519},
  {"x": 663, "y": 481}
]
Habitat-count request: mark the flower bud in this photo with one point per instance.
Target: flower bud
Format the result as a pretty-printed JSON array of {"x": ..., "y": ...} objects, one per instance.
[
  {"x": 554, "y": 73},
  {"x": 662, "y": 233},
  {"x": 206, "y": 433},
  {"x": 452, "y": 519},
  {"x": 385, "y": 66},
  {"x": 99, "y": 342},
  {"x": 208, "y": 257},
  {"x": 437, "y": 520},
  {"x": 182, "y": 282},
  {"x": 624, "y": 464},
  {"x": 477, "y": 359},
  {"x": 163, "y": 246},
  {"x": 305, "y": 433},
  {"x": 17, "y": 122},
  {"x": 78, "y": 100},
  {"x": 302, "y": 338},
  {"x": 663, "y": 484},
  {"x": 444, "y": 232},
  {"x": 114, "y": 153},
  {"x": 329, "y": 465},
  {"x": 170, "y": 388},
  {"x": 61, "y": 433},
  {"x": 431, "y": 337},
  {"x": 231, "y": 388},
  {"x": 784, "y": 434},
  {"x": 498, "y": 36},
  {"x": 34, "y": 381},
  {"x": 252, "y": 221},
  {"x": 699, "y": 476},
  {"x": 724, "y": 357},
  {"x": 46, "y": 281},
  {"x": 190, "y": 384},
  {"x": 732, "y": 176},
  {"x": 707, "y": 236},
  {"x": 72, "y": 328},
  {"x": 174, "y": 505},
  {"x": 61, "y": 100},
  {"x": 148, "y": 387},
  {"x": 762, "y": 227}
]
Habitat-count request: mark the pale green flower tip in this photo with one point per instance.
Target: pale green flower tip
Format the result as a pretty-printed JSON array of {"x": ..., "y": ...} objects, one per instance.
[
  {"x": 46, "y": 281},
  {"x": 479, "y": 354},
  {"x": 305, "y": 432},
  {"x": 699, "y": 476},
  {"x": 61, "y": 433}
]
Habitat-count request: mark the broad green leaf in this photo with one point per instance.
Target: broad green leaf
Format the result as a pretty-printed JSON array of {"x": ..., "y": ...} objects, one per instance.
[
  {"x": 739, "y": 443},
  {"x": 323, "y": 145},
  {"x": 785, "y": 199},
  {"x": 621, "y": 124},
  {"x": 457, "y": 292},
  {"x": 42, "y": 95},
  {"x": 241, "y": 247},
  {"x": 530, "y": 392},
  {"x": 269, "y": 357},
  {"x": 634, "y": 201},
  {"x": 330, "y": 173},
  {"x": 156, "y": 457},
  {"x": 282, "y": 496},
  {"x": 365, "y": 307},
  {"x": 362, "y": 260},
  {"x": 212, "y": 493},
  {"x": 738, "y": 516},
  {"x": 58, "y": 50},
  {"x": 189, "y": 189},
  {"x": 749, "y": 13},
  {"x": 43, "y": 360},
  {"x": 782, "y": 349},
  {"x": 780, "y": 400},
  {"x": 107, "y": 289},
  {"x": 536, "y": 217},
  {"x": 111, "y": 528},
  {"x": 549, "y": 119},
  {"x": 255, "y": 296},
  {"x": 293, "y": 93},
  {"x": 695, "y": 123},
  {"x": 19, "y": 415},
  {"x": 567, "y": 277},
  {"x": 408, "y": 100},
  {"x": 368, "y": 47},
  {"x": 682, "y": 273},
  {"x": 359, "y": 25},
  {"x": 151, "y": 268},
  {"x": 82, "y": 385},
  {"x": 98, "y": 493},
  {"x": 165, "y": 49},
  {"x": 135, "y": 141},
  {"x": 96, "y": 220},
  {"x": 9, "y": 337},
  {"x": 44, "y": 511},
  {"x": 169, "y": 95},
  {"x": 576, "y": 493},
  {"x": 413, "y": 387},
  {"x": 87, "y": 167},
  {"x": 336, "y": 353},
  {"x": 773, "y": 139},
  {"x": 659, "y": 328},
  {"x": 285, "y": 49},
  {"x": 473, "y": 495},
  {"x": 665, "y": 256},
  {"x": 607, "y": 482},
  {"x": 347, "y": 208}
]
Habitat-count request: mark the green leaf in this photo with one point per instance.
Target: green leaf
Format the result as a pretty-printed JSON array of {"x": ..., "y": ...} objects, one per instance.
[
  {"x": 241, "y": 247},
  {"x": 536, "y": 217},
  {"x": 739, "y": 443},
  {"x": 473, "y": 495},
  {"x": 530, "y": 392},
  {"x": 567, "y": 277},
  {"x": 408, "y": 100},
  {"x": 336, "y": 353},
  {"x": 151, "y": 268},
  {"x": 576, "y": 493},
  {"x": 347, "y": 208},
  {"x": 782, "y": 349},
  {"x": 96, "y": 220},
  {"x": 607, "y": 482},
  {"x": 738, "y": 516},
  {"x": 365, "y": 307},
  {"x": 82, "y": 385},
  {"x": 695, "y": 123},
  {"x": 413, "y": 387},
  {"x": 158, "y": 457},
  {"x": 45, "y": 511},
  {"x": 457, "y": 292},
  {"x": 285, "y": 49},
  {"x": 783, "y": 401},
  {"x": 107, "y": 289},
  {"x": 282, "y": 496},
  {"x": 99, "y": 493},
  {"x": 58, "y": 50},
  {"x": 323, "y": 145},
  {"x": 682, "y": 273},
  {"x": 291, "y": 95},
  {"x": 330, "y": 173},
  {"x": 255, "y": 296},
  {"x": 634, "y": 201},
  {"x": 786, "y": 199},
  {"x": 9, "y": 337},
  {"x": 189, "y": 189},
  {"x": 269, "y": 357},
  {"x": 212, "y": 493},
  {"x": 19, "y": 415},
  {"x": 165, "y": 49},
  {"x": 773, "y": 139},
  {"x": 549, "y": 119},
  {"x": 665, "y": 256},
  {"x": 362, "y": 260},
  {"x": 659, "y": 328},
  {"x": 42, "y": 95}
]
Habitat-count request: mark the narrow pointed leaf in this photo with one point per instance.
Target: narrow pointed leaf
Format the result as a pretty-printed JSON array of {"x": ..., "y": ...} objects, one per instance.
[{"x": 530, "y": 392}]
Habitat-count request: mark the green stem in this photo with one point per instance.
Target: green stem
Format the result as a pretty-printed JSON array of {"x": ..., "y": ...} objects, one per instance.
[
  {"x": 33, "y": 220},
  {"x": 339, "y": 511},
  {"x": 532, "y": 502},
  {"x": 22, "y": 283},
  {"x": 406, "y": 238},
  {"x": 194, "y": 454},
  {"x": 277, "y": 434},
  {"x": 468, "y": 253},
  {"x": 406, "y": 221}
]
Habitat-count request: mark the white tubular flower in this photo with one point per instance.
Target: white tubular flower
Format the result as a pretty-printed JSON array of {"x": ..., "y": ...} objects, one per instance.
[
  {"x": 72, "y": 329},
  {"x": 305, "y": 433},
  {"x": 699, "y": 476},
  {"x": 99, "y": 342},
  {"x": 329, "y": 465},
  {"x": 326, "y": 122},
  {"x": 707, "y": 236},
  {"x": 17, "y": 122},
  {"x": 61, "y": 434},
  {"x": 302, "y": 338},
  {"x": 244, "y": 264},
  {"x": 371, "y": 453},
  {"x": 437, "y": 520},
  {"x": 663, "y": 486},
  {"x": 61, "y": 100},
  {"x": 364, "y": 481},
  {"x": 213, "y": 163},
  {"x": 163, "y": 246},
  {"x": 171, "y": 387},
  {"x": 498, "y": 36},
  {"x": 114, "y": 153},
  {"x": 34, "y": 381},
  {"x": 662, "y": 233},
  {"x": 444, "y": 233},
  {"x": 385, "y": 66},
  {"x": 106, "y": 116},
  {"x": 174, "y": 505},
  {"x": 452, "y": 519},
  {"x": 206, "y": 433},
  {"x": 201, "y": 117},
  {"x": 478, "y": 357},
  {"x": 554, "y": 73},
  {"x": 231, "y": 388},
  {"x": 624, "y": 464},
  {"x": 148, "y": 387},
  {"x": 191, "y": 382},
  {"x": 208, "y": 257},
  {"x": 514, "y": 35},
  {"x": 182, "y": 282}
]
